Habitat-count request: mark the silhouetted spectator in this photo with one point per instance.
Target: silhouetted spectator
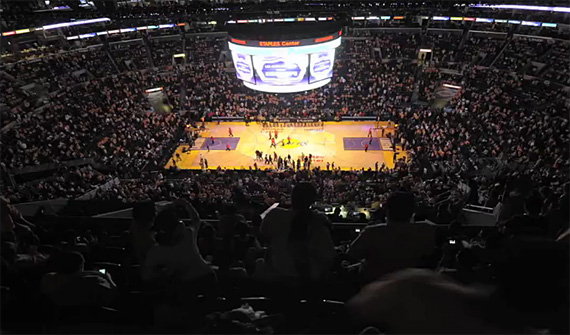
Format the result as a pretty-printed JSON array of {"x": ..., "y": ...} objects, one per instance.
[
  {"x": 142, "y": 237},
  {"x": 397, "y": 245},
  {"x": 300, "y": 243},
  {"x": 71, "y": 285},
  {"x": 531, "y": 222},
  {"x": 175, "y": 264}
]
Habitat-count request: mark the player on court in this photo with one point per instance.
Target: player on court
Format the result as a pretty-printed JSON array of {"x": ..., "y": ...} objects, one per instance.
[
  {"x": 228, "y": 147},
  {"x": 230, "y": 133},
  {"x": 276, "y": 134},
  {"x": 370, "y": 132},
  {"x": 273, "y": 143},
  {"x": 212, "y": 138},
  {"x": 365, "y": 147}
]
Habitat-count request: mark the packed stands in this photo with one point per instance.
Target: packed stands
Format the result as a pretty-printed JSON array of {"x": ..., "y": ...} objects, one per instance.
[
  {"x": 162, "y": 51},
  {"x": 480, "y": 50},
  {"x": 133, "y": 247},
  {"x": 130, "y": 56}
]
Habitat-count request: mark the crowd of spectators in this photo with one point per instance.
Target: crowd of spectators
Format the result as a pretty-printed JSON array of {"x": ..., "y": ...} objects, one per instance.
[
  {"x": 520, "y": 51},
  {"x": 204, "y": 50},
  {"x": 180, "y": 261},
  {"x": 394, "y": 45},
  {"x": 480, "y": 129},
  {"x": 115, "y": 109},
  {"x": 215, "y": 92},
  {"x": 67, "y": 183},
  {"x": 163, "y": 51},
  {"x": 558, "y": 66},
  {"x": 357, "y": 71},
  {"x": 445, "y": 46},
  {"x": 355, "y": 190},
  {"x": 476, "y": 133},
  {"x": 21, "y": 15},
  {"x": 188, "y": 264},
  {"x": 14, "y": 98},
  {"x": 561, "y": 34},
  {"x": 431, "y": 81},
  {"x": 495, "y": 27},
  {"x": 54, "y": 69},
  {"x": 130, "y": 56},
  {"x": 387, "y": 85},
  {"x": 487, "y": 99},
  {"x": 480, "y": 50}
]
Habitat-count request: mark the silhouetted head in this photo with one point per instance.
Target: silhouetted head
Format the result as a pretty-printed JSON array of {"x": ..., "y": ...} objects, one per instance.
[
  {"x": 144, "y": 213},
  {"x": 256, "y": 221},
  {"x": 166, "y": 224},
  {"x": 400, "y": 207},
  {"x": 242, "y": 229},
  {"x": 208, "y": 231},
  {"x": 9, "y": 251},
  {"x": 68, "y": 262},
  {"x": 229, "y": 209},
  {"x": 303, "y": 196}
]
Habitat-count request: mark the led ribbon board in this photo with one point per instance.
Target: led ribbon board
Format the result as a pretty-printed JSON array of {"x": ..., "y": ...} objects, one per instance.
[
  {"x": 525, "y": 7},
  {"x": 285, "y": 66}
]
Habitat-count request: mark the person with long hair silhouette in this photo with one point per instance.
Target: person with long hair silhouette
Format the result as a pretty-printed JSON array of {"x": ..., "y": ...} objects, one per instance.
[{"x": 301, "y": 249}]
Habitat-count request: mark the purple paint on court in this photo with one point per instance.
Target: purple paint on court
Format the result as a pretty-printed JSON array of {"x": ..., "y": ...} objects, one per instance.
[
  {"x": 357, "y": 143},
  {"x": 220, "y": 143}
]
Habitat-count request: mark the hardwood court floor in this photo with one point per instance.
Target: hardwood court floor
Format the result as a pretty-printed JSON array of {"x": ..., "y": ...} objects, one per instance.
[{"x": 326, "y": 144}]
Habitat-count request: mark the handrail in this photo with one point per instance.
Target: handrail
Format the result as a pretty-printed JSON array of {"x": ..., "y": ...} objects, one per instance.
[{"x": 50, "y": 166}]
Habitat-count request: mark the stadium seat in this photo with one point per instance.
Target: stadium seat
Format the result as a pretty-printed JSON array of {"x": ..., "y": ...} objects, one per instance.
[
  {"x": 86, "y": 320},
  {"x": 118, "y": 241},
  {"x": 47, "y": 249},
  {"x": 111, "y": 254}
]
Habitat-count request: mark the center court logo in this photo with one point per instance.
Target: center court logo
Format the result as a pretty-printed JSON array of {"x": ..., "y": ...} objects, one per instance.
[{"x": 294, "y": 144}]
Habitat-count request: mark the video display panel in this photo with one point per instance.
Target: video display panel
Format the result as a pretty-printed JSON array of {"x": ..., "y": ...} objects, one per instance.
[
  {"x": 321, "y": 65},
  {"x": 243, "y": 66},
  {"x": 281, "y": 70},
  {"x": 284, "y": 69}
]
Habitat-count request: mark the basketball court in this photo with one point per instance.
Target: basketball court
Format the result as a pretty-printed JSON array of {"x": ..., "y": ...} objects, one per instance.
[{"x": 341, "y": 143}]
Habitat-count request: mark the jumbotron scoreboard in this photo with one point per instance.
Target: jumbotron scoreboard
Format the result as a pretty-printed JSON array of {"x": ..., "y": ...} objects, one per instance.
[{"x": 285, "y": 65}]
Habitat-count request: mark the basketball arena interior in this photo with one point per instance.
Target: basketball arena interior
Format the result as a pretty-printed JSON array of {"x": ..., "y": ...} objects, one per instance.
[{"x": 284, "y": 167}]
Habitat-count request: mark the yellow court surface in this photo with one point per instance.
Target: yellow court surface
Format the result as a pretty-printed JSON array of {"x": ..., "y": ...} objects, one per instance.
[{"x": 341, "y": 143}]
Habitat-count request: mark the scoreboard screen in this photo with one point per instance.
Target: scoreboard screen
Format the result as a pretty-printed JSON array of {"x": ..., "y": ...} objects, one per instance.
[{"x": 285, "y": 66}]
